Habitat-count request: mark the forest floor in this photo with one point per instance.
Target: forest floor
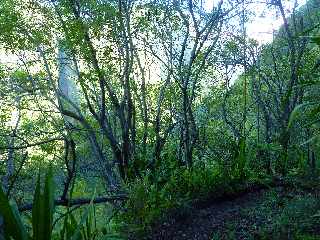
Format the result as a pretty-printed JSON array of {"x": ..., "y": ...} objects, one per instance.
[{"x": 276, "y": 213}]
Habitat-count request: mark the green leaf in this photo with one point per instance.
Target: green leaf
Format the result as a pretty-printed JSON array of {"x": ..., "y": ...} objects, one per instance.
[
  {"x": 84, "y": 217},
  {"x": 314, "y": 138},
  {"x": 307, "y": 83},
  {"x": 72, "y": 226},
  {"x": 13, "y": 225},
  {"x": 43, "y": 208},
  {"x": 316, "y": 40},
  {"x": 77, "y": 232},
  {"x": 48, "y": 198},
  {"x": 37, "y": 212},
  {"x": 297, "y": 111}
]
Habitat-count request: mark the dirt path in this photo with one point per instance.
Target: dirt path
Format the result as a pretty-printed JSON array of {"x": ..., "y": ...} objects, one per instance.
[
  {"x": 202, "y": 224},
  {"x": 238, "y": 218}
]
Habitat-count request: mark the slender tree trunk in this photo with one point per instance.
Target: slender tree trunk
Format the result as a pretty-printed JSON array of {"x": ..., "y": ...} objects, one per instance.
[
  {"x": 16, "y": 116},
  {"x": 187, "y": 153}
]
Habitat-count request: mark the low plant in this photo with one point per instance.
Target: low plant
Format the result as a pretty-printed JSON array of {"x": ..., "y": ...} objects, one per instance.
[
  {"x": 152, "y": 201},
  {"x": 297, "y": 219},
  {"x": 42, "y": 217}
]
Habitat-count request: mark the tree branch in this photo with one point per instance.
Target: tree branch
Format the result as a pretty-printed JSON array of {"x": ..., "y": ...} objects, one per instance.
[
  {"x": 78, "y": 201},
  {"x": 31, "y": 144}
]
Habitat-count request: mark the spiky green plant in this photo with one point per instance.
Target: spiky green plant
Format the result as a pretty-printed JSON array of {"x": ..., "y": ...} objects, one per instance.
[{"x": 42, "y": 216}]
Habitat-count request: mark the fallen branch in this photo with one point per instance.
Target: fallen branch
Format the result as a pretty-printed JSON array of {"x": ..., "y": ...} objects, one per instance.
[{"x": 79, "y": 201}]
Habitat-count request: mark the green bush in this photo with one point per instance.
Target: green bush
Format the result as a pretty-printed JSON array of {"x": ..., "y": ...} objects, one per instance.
[{"x": 151, "y": 201}]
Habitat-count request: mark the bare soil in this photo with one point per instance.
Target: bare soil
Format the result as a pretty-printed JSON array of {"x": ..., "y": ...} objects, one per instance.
[{"x": 238, "y": 217}]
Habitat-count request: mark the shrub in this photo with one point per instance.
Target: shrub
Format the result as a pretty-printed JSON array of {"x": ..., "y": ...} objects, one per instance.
[{"x": 151, "y": 201}]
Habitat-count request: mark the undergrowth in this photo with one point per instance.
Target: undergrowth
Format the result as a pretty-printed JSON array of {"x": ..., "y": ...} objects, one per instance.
[
  {"x": 298, "y": 217},
  {"x": 150, "y": 202}
]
